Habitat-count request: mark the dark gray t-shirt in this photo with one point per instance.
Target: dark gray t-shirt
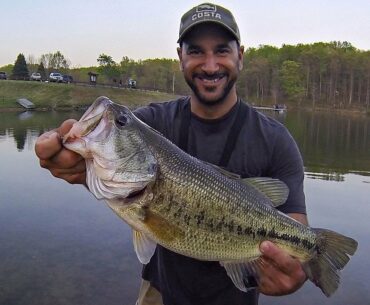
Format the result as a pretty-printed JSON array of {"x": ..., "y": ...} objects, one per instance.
[{"x": 264, "y": 148}]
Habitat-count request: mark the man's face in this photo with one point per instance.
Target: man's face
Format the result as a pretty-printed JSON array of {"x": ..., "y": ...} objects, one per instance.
[{"x": 211, "y": 60}]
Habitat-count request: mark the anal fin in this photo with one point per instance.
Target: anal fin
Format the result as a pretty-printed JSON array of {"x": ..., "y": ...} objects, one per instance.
[
  {"x": 245, "y": 275},
  {"x": 144, "y": 247}
]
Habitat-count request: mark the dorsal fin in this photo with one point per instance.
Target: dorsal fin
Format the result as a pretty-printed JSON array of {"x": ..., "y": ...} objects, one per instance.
[
  {"x": 274, "y": 189},
  {"x": 224, "y": 171}
]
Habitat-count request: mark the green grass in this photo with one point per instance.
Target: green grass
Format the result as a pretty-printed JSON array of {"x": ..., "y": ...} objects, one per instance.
[{"x": 54, "y": 96}]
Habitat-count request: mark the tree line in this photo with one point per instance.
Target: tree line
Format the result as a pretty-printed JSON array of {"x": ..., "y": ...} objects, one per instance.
[{"x": 334, "y": 74}]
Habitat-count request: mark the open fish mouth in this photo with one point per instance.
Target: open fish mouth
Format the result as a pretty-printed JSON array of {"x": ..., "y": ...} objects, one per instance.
[
  {"x": 116, "y": 169},
  {"x": 89, "y": 121}
]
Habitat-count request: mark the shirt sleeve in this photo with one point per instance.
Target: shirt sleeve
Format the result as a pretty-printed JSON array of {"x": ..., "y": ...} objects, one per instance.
[
  {"x": 287, "y": 166},
  {"x": 146, "y": 114}
]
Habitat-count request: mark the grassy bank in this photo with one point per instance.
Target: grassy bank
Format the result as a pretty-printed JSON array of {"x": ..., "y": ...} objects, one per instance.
[{"x": 56, "y": 96}]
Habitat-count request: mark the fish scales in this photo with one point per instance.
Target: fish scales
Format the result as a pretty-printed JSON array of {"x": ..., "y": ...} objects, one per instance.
[
  {"x": 180, "y": 176},
  {"x": 194, "y": 208}
]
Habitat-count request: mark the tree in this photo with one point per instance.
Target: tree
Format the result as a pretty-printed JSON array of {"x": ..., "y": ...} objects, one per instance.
[
  {"x": 105, "y": 60},
  {"x": 20, "y": 69},
  {"x": 127, "y": 68},
  {"x": 291, "y": 80},
  {"x": 55, "y": 61},
  {"x": 108, "y": 67},
  {"x": 41, "y": 70},
  {"x": 58, "y": 61}
]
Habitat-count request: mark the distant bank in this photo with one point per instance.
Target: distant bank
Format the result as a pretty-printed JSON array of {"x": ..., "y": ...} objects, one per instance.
[
  {"x": 47, "y": 96},
  {"x": 59, "y": 96}
]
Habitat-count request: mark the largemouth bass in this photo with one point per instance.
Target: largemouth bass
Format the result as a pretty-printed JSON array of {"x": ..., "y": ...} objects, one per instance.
[{"x": 194, "y": 208}]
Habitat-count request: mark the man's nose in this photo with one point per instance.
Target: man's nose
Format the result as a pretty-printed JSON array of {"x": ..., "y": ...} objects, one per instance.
[{"x": 210, "y": 64}]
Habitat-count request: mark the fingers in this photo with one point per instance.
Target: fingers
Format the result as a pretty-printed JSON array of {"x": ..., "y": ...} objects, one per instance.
[
  {"x": 64, "y": 159},
  {"x": 61, "y": 162},
  {"x": 65, "y": 127},
  {"x": 279, "y": 257},
  {"x": 77, "y": 178},
  {"x": 280, "y": 273},
  {"x": 50, "y": 143}
]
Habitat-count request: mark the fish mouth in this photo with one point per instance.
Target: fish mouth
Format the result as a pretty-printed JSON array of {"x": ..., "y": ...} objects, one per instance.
[{"x": 89, "y": 121}]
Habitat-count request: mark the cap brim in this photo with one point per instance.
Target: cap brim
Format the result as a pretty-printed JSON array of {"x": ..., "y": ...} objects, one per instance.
[{"x": 208, "y": 21}]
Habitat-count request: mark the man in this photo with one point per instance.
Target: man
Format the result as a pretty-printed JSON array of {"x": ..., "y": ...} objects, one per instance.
[{"x": 214, "y": 125}]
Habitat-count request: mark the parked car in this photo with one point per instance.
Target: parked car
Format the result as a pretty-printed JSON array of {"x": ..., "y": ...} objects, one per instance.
[
  {"x": 55, "y": 77},
  {"x": 67, "y": 79},
  {"x": 131, "y": 83},
  {"x": 36, "y": 76},
  {"x": 3, "y": 75}
]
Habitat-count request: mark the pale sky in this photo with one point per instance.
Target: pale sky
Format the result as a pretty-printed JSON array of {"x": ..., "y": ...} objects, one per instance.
[{"x": 141, "y": 29}]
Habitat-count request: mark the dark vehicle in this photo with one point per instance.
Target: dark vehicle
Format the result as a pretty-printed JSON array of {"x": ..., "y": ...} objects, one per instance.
[
  {"x": 67, "y": 79},
  {"x": 3, "y": 75}
]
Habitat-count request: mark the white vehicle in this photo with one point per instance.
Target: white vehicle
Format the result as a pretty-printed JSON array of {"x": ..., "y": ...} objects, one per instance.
[
  {"x": 131, "y": 83},
  {"x": 36, "y": 76},
  {"x": 56, "y": 77}
]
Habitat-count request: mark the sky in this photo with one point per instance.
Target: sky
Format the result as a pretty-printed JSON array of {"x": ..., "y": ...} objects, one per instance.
[{"x": 83, "y": 29}]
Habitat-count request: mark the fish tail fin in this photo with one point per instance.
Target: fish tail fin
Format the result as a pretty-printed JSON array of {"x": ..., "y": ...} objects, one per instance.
[{"x": 332, "y": 254}]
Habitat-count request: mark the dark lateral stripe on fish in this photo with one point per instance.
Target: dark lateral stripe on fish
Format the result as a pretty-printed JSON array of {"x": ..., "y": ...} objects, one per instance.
[{"x": 179, "y": 211}]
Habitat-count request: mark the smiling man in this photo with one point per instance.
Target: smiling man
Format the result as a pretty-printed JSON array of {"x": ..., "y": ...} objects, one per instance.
[
  {"x": 214, "y": 125},
  {"x": 211, "y": 62}
]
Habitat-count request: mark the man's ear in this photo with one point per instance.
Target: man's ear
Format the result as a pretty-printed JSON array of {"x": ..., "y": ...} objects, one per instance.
[
  {"x": 179, "y": 54},
  {"x": 241, "y": 57}
]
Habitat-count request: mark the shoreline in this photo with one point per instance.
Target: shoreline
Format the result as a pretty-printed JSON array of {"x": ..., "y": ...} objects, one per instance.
[{"x": 79, "y": 107}]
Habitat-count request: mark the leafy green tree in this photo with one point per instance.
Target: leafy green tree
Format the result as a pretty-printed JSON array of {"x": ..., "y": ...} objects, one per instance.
[
  {"x": 108, "y": 67},
  {"x": 291, "y": 80},
  {"x": 41, "y": 70},
  {"x": 59, "y": 62},
  {"x": 127, "y": 68},
  {"x": 105, "y": 60},
  {"x": 20, "y": 69},
  {"x": 55, "y": 62}
]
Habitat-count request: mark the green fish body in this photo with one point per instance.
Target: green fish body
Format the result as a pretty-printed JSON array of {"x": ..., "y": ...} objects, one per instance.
[{"x": 191, "y": 207}]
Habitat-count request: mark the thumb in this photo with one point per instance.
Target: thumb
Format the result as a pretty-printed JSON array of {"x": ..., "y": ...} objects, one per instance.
[{"x": 65, "y": 127}]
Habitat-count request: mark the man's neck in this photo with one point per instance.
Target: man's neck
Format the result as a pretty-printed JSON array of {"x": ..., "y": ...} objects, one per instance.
[{"x": 213, "y": 111}]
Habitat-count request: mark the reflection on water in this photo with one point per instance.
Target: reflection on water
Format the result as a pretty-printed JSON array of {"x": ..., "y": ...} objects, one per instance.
[
  {"x": 332, "y": 143},
  {"x": 61, "y": 246},
  {"x": 332, "y": 176}
]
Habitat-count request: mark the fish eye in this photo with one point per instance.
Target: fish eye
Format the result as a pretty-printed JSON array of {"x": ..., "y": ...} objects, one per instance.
[{"x": 121, "y": 120}]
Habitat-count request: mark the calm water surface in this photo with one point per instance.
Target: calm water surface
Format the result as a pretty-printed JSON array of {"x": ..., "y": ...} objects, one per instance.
[{"x": 59, "y": 245}]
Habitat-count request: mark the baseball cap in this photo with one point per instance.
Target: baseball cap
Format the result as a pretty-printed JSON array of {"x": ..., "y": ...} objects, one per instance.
[{"x": 208, "y": 12}]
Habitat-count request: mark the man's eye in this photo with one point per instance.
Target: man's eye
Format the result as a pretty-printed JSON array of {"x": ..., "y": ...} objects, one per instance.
[
  {"x": 194, "y": 52},
  {"x": 223, "y": 51}
]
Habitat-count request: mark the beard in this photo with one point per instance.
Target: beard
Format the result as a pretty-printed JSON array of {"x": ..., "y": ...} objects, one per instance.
[{"x": 207, "y": 101}]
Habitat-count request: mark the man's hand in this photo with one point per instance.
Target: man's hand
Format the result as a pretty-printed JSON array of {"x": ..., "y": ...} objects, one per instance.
[
  {"x": 280, "y": 273},
  {"x": 61, "y": 162}
]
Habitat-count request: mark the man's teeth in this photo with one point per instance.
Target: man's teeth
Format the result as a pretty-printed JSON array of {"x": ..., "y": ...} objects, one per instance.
[{"x": 214, "y": 80}]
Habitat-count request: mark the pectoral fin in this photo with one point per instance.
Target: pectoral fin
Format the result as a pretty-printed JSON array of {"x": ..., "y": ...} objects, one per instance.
[
  {"x": 244, "y": 275},
  {"x": 144, "y": 247},
  {"x": 161, "y": 228}
]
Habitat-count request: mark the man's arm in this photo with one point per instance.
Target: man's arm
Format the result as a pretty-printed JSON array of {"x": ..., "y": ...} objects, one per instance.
[{"x": 281, "y": 273}]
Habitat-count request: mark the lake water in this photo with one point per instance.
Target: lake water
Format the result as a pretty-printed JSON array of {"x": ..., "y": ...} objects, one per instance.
[{"x": 59, "y": 245}]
